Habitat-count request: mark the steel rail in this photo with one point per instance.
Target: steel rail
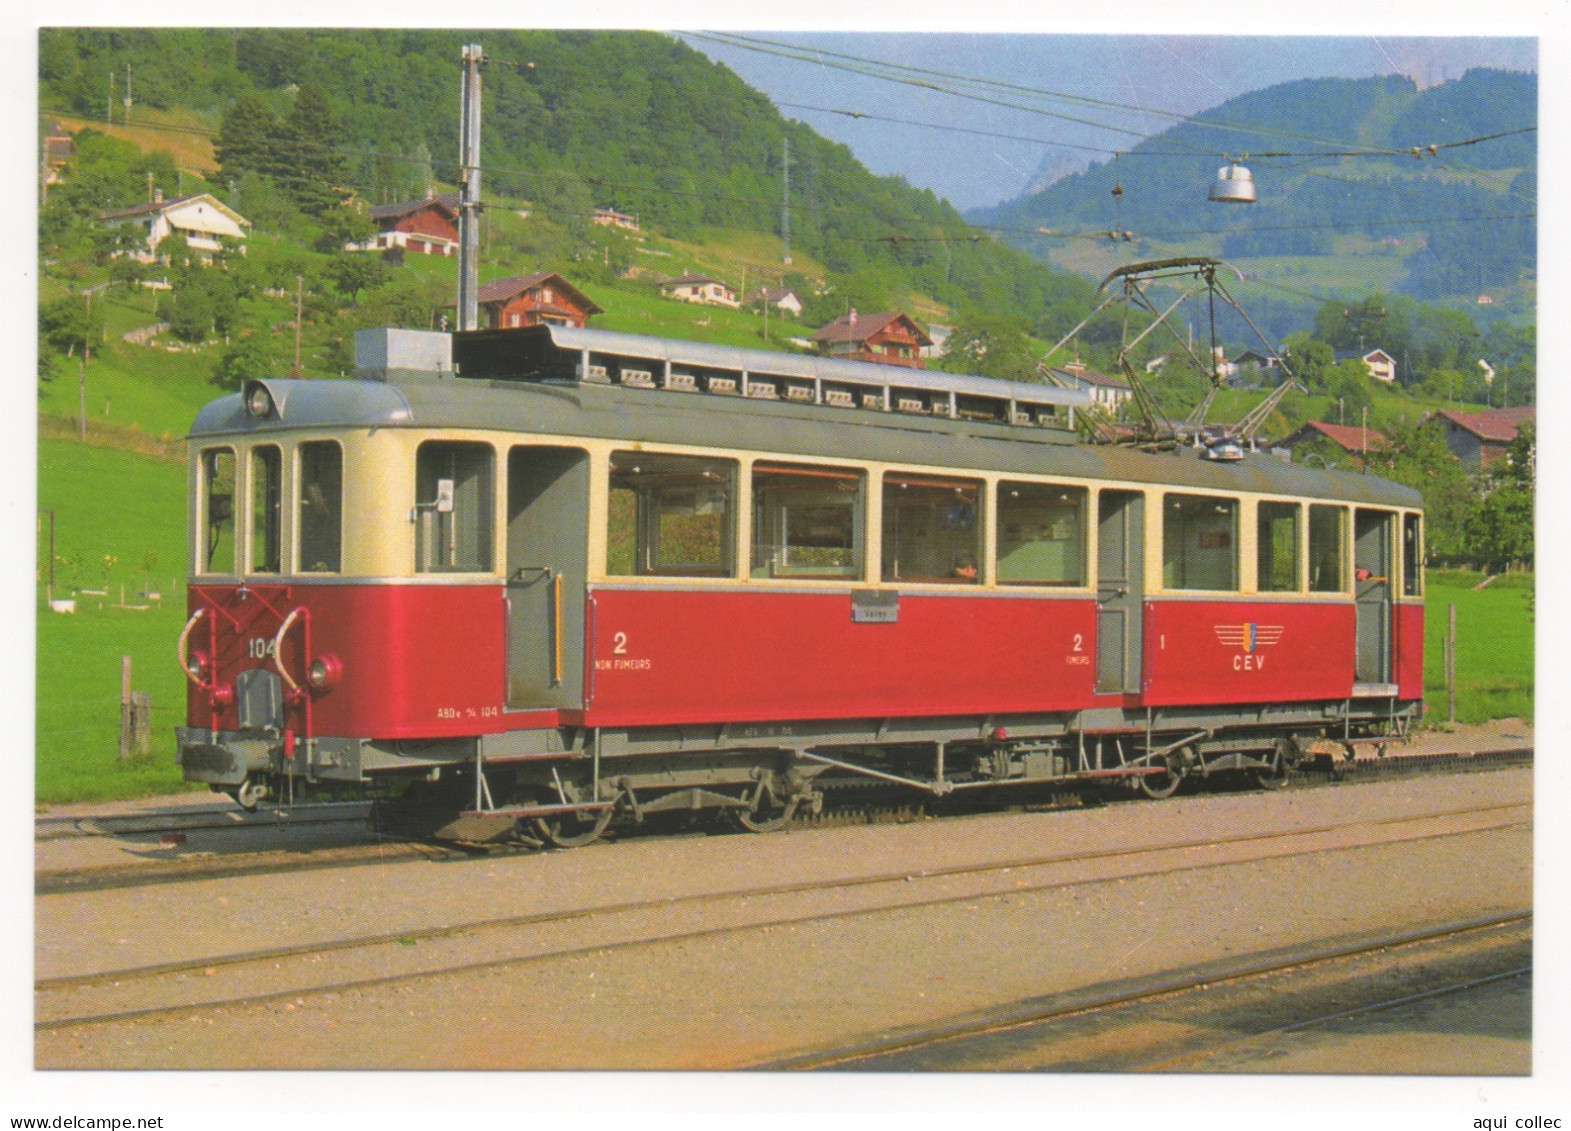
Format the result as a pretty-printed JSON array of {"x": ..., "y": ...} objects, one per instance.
[
  {"x": 903, "y": 878},
  {"x": 1342, "y": 1014},
  {"x": 194, "y": 820},
  {"x": 1136, "y": 991},
  {"x": 390, "y": 850}
]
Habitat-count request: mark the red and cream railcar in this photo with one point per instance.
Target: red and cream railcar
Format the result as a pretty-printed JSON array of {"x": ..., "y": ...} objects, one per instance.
[{"x": 558, "y": 574}]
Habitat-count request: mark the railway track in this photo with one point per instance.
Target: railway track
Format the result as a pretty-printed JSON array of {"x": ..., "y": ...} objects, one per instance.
[
  {"x": 196, "y": 819},
  {"x": 218, "y": 982},
  {"x": 381, "y": 848},
  {"x": 1150, "y": 1013}
]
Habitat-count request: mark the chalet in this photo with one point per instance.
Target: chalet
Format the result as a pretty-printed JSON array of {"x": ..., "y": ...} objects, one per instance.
[
  {"x": 783, "y": 299},
  {"x": 703, "y": 290},
  {"x": 1382, "y": 366},
  {"x": 1109, "y": 392},
  {"x": 891, "y": 337},
  {"x": 611, "y": 218},
  {"x": 201, "y": 219},
  {"x": 428, "y": 226},
  {"x": 1352, "y": 439},
  {"x": 1479, "y": 439},
  {"x": 1265, "y": 362},
  {"x": 532, "y": 300}
]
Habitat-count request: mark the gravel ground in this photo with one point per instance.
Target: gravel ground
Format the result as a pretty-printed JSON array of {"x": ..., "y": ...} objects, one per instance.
[{"x": 729, "y": 1000}]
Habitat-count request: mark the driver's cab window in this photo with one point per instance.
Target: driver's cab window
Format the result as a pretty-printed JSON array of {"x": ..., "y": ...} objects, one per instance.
[{"x": 215, "y": 548}]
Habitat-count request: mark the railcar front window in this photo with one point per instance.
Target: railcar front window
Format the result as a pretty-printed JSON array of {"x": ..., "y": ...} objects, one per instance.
[
  {"x": 670, "y": 516},
  {"x": 321, "y": 506},
  {"x": 1413, "y": 555},
  {"x": 453, "y": 507},
  {"x": 216, "y": 548},
  {"x": 931, "y": 530},
  {"x": 267, "y": 466},
  {"x": 1041, "y": 534},
  {"x": 1327, "y": 549},
  {"x": 1277, "y": 548},
  {"x": 1200, "y": 543},
  {"x": 807, "y": 521}
]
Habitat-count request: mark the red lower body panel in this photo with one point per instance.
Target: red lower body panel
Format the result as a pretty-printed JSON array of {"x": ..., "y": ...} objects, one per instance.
[
  {"x": 662, "y": 656},
  {"x": 1247, "y": 652},
  {"x": 1408, "y": 632},
  {"x": 418, "y": 661}
]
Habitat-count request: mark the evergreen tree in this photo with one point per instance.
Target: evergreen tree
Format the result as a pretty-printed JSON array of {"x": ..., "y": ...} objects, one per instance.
[
  {"x": 311, "y": 165},
  {"x": 248, "y": 139}
]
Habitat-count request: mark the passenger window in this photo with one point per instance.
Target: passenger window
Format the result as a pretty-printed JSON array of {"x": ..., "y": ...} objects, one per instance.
[
  {"x": 931, "y": 532},
  {"x": 1413, "y": 555},
  {"x": 670, "y": 516},
  {"x": 1276, "y": 554},
  {"x": 267, "y": 465},
  {"x": 216, "y": 551},
  {"x": 807, "y": 521},
  {"x": 1327, "y": 549},
  {"x": 321, "y": 506},
  {"x": 1041, "y": 534},
  {"x": 453, "y": 507},
  {"x": 1200, "y": 543}
]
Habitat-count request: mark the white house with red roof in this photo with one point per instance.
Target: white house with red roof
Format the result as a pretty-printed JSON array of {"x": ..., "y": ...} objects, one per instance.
[
  {"x": 1107, "y": 391},
  {"x": 202, "y": 219}
]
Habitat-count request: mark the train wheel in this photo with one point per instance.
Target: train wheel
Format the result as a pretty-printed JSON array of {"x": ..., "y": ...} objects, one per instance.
[
  {"x": 1165, "y": 784},
  {"x": 1275, "y": 776},
  {"x": 766, "y": 814},
  {"x": 573, "y": 830}
]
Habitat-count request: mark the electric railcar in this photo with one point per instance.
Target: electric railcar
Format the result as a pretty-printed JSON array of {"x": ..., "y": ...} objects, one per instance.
[{"x": 546, "y": 578}]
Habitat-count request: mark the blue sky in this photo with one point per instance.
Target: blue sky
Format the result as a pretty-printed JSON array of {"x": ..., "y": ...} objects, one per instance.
[{"x": 1174, "y": 73}]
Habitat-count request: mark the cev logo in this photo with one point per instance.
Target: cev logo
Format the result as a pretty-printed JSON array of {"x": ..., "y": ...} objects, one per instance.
[{"x": 1248, "y": 639}]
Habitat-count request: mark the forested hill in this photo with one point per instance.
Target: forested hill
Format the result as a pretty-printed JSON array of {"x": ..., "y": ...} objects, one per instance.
[
  {"x": 1462, "y": 218},
  {"x": 572, "y": 121}
]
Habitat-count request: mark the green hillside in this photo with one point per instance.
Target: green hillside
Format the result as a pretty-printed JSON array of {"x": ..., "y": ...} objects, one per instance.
[{"x": 1332, "y": 162}]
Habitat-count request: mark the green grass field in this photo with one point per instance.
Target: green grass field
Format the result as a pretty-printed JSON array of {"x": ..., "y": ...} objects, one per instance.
[
  {"x": 129, "y": 508},
  {"x": 1494, "y": 669}
]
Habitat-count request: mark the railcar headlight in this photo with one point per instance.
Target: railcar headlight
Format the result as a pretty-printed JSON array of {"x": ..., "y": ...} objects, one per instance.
[
  {"x": 325, "y": 672},
  {"x": 199, "y": 665},
  {"x": 223, "y": 695},
  {"x": 258, "y": 401}
]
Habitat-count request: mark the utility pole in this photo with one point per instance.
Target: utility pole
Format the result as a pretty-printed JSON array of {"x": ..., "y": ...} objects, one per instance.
[
  {"x": 109, "y": 108},
  {"x": 469, "y": 197},
  {"x": 81, "y": 368},
  {"x": 785, "y": 207},
  {"x": 128, "y": 94},
  {"x": 299, "y": 283}
]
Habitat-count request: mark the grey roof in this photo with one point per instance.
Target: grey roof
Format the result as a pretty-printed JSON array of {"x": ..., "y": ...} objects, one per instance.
[
  {"x": 654, "y": 416},
  {"x": 806, "y": 365}
]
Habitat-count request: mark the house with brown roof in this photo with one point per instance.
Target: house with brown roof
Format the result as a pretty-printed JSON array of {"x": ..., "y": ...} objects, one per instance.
[
  {"x": 1107, "y": 391},
  {"x": 1478, "y": 439},
  {"x": 533, "y": 300},
  {"x": 428, "y": 226},
  {"x": 702, "y": 289},
  {"x": 202, "y": 219},
  {"x": 890, "y": 337},
  {"x": 611, "y": 218},
  {"x": 1356, "y": 441}
]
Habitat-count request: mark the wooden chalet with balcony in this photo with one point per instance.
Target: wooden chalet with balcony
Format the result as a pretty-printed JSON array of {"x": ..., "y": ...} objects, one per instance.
[
  {"x": 534, "y": 300},
  {"x": 891, "y": 338}
]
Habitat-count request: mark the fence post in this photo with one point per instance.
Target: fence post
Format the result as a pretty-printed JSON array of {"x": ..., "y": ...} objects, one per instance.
[
  {"x": 125, "y": 707},
  {"x": 1451, "y": 663},
  {"x": 136, "y": 717}
]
